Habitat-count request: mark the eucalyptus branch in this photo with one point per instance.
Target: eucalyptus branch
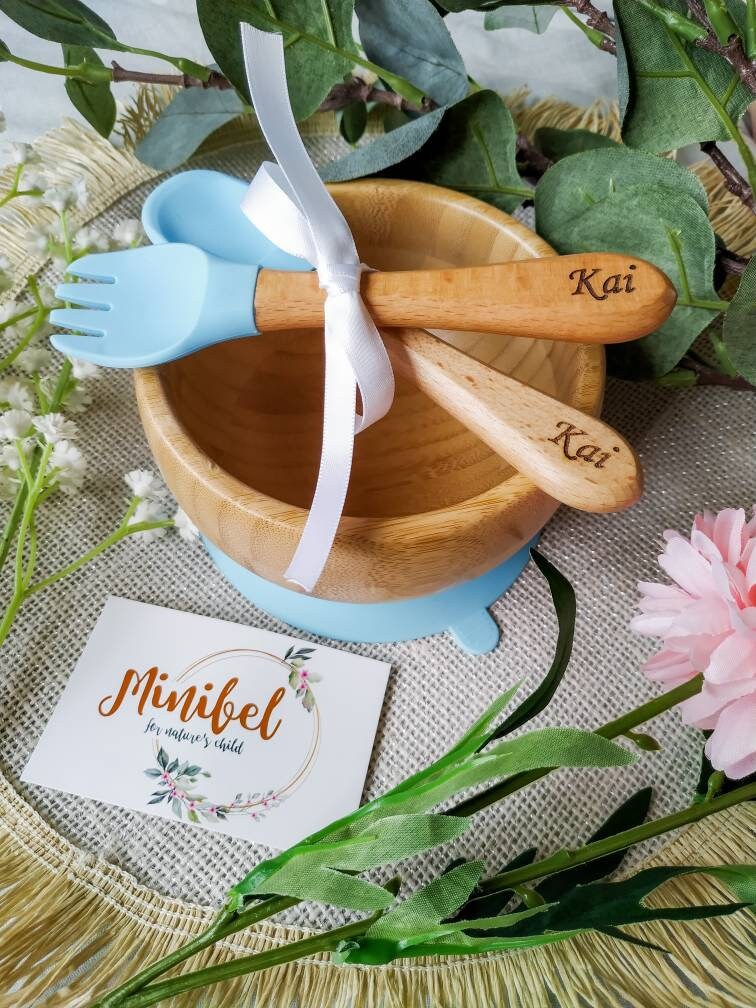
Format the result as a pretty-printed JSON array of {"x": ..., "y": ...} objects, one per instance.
[
  {"x": 732, "y": 50},
  {"x": 594, "y": 17},
  {"x": 602, "y": 38},
  {"x": 734, "y": 181}
]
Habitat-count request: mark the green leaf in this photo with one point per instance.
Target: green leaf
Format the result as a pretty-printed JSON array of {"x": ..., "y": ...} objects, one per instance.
[
  {"x": 4, "y": 52},
  {"x": 627, "y": 201},
  {"x": 563, "y": 597},
  {"x": 387, "y": 150},
  {"x": 580, "y": 182},
  {"x": 675, "y": 94},
  {"x": 531, "y": 17},
  {"x": 428, "y": 906},
  {"x": 66, "y": 21},
  {"x": 493, "y": 903},
  {"x": 192, "y": 115},
  {"x": 318, "y": 45},
  {"x": 739, "y": 329},
  {"x": 307, "y": 870},
  {"x": 411, "y": 40},
  {"x": 629, "y": 814},
  {"x": 162, "y": 758},
  {"x": 473, "y": 151},
  {"x": 602, "y": 905},
  {"x": 560, "y": 143},
  {"x": 352, "y": 121},
  {"x": 94, "y": 101}
]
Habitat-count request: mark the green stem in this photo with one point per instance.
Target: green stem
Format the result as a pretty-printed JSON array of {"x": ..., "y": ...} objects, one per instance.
[
  {"x": 24, "y": 342},
  {"x": 26, "y": 519},
  {"x": 611, "y": 730},
  {"x": 247, "y": 964},
  {"x": 610, "y": 845},
  {"x": 122, "y": 532},
  {"x": 15, "y": 319},
  {"x": 750, "y": 34},
  {"x": 13, "y": 191},
  {"x": 93, "y": 73},
  {"x": 220, "y": 928},
  {"x": 594, "y": 37},
  {"x": 6, "y": 541},
  {"x": 723, "y": 115}
]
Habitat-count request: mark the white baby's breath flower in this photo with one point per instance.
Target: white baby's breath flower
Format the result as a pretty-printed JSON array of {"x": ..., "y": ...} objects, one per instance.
[
  {"x": 90, "y": 239},
  {"x": 46, "y": 294},
  {"x": 54, "y": 427},
  {"x": 144, "y": 484},
  {"x": 38, "y": 238},
  {"x": 16, "y": 394},
  {"x": 128, "y": 232},
  {"x": 22, "y": 153},
  {"x": 148, "y": 511},
  {"x": 185, "y": 526},
  {"x": 33, "y": 359},
  {"x": 35, "y": 179},
  {"x": 67, "y": 197},
  {"x": 14, "y": 423},
  {"x": 9, "y": 457},
  {"x": 68, "y": 465},
  {"x": 82, "y": 369},
  {"x": 78, "y": 399}
]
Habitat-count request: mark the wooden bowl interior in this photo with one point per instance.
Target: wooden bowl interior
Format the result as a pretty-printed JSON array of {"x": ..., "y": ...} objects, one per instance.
[{"x": 254, "y": 406}]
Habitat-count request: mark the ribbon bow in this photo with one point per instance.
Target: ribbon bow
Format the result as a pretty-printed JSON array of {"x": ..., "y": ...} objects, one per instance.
[{"x": 290, "y": 205}]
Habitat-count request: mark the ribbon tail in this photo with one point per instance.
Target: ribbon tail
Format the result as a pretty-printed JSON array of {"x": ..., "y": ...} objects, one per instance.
[{"x": 335, "y": 466}]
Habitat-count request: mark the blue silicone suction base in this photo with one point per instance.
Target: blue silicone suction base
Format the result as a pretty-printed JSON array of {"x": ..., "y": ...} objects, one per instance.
[{"x": 462, "y": 609}]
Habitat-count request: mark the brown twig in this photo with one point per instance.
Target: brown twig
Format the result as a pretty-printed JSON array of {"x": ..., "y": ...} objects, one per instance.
[
  {"x": 732, "y": 50},
  {"x": 338, "y": 97},
  {"x": 732, "y": 177},
  {"x": 710, "y": 376},
  {"x": 594, "y": 17},
  {"x": 732, "y": 263},
  {"x": 215, "y": 80},
  {"x": 530, "y": 154}
]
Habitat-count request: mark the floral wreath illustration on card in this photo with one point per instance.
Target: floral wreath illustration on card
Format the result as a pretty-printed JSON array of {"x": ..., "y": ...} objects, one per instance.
[{"x": 178, "y": 783}]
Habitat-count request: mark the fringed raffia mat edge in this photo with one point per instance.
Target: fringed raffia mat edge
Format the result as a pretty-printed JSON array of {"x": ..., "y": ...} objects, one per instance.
[{"x": 75, "y": 925}]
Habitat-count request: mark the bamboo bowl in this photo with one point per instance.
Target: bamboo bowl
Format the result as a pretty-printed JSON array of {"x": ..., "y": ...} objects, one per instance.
[{"x": 236, "y": 428}]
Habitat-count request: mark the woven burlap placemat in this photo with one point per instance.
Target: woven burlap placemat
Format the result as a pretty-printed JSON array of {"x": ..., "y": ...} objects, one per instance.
[{"x": 82, "y": 876}]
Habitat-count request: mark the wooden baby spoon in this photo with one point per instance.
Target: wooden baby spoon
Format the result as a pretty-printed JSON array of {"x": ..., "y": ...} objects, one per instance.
[
  {"x": 595, "y": 297},
  {"x": 573, "y": 457}
]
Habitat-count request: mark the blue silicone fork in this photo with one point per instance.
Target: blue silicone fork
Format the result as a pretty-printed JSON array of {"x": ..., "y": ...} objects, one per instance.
[{"x": 187, "y": 300}]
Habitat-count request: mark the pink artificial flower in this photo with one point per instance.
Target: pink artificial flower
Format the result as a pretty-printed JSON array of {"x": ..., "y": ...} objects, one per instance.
[{"x": 707, "y": 619}]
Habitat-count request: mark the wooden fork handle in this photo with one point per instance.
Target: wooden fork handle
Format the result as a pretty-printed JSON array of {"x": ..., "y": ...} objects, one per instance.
[
  {"x": 587, "y": 298},
  {"x": 573, "y": 457}
]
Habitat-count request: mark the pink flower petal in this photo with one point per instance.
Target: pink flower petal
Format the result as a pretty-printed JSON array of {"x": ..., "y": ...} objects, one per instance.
[
  {"x": 732, "y": 747},
  {"x": 703, "y": 709},
  {"x": 669, "y": 667},
  {"x": 687, "y": 567},
  {"x": 728, "y": 533},
  {"x": 735, "y": 658}
]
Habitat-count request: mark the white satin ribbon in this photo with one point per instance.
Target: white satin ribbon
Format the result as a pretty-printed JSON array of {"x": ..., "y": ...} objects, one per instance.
[{"x": 290, "y": 205}]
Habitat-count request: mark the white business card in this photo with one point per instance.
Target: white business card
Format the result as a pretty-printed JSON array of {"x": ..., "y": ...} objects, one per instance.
[{"x": 227, "y": 727}]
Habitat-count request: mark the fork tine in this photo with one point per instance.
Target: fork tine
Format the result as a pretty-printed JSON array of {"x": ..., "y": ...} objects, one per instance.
[
  {"x": 88, "y": 348},
  {"x": 100, "y": 266},
  {"x": 86, "y": 295},
  {"x": 84, "y": 320}
]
